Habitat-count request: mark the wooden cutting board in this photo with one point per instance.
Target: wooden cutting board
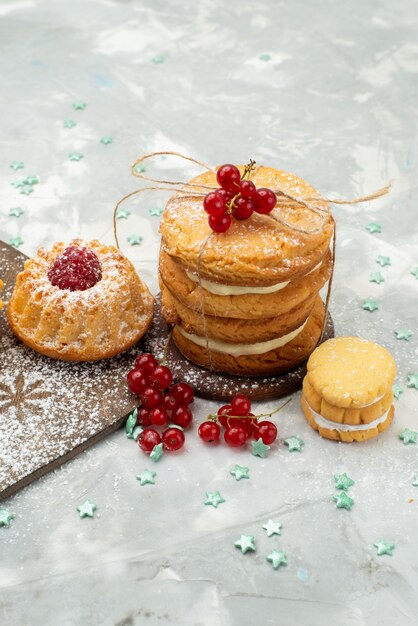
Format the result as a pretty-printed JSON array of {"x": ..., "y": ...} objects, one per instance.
[{"x": 50, "y": 410}]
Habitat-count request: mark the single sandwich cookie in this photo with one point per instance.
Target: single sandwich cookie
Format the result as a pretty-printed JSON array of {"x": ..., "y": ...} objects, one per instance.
[{"x": 347, "y": 392}]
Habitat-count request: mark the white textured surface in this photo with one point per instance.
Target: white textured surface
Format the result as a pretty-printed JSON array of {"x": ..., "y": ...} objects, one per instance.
[{"x": 337, "y": 104}]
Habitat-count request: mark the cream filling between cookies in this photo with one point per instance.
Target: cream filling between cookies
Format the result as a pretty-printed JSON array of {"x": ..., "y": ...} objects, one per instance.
[
  {"x": 236, "y": 290},
  {"x": 241, "y": 349},
  {"x": 324, "y": 423}
]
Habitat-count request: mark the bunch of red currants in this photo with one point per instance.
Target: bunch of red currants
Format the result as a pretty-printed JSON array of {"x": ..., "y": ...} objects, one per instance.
[
  {"x": 239, "y": 424},
  {"x": 161, "y": 403},
  {"x": 238, "y": 198}
]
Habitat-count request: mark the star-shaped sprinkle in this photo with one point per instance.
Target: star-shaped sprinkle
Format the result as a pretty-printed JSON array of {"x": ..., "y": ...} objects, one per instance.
[
  {"x": 135, "y": 433},
  {"x": 135, "y": 240},
  {"x": 265, "y": 56},
  {"x": 79, "y": 106},
  {"x": 343, "y": 481},
  {"x": 397, "y": 390},
  {"x": 376, "y": 277},
  {"x": 69, "y": 123},
  {"x": 383, "y": 260},
  {"x": 412, "y": 381},
  {"x": 415, "y": 481},
  {"x": 131, "y": 422},
  {"x": 75, "y": 156},
  {"x": 272, "y": 528},
  {"x": 147, "y": 477},
  {"x": 240, "y": 471},
  {"x": 19, "y": 183},
  {"x": 87, "y": 509},
  {"x": 32, "y": 180},
  {"x": 122, "y": 214},
  {"x": 16, "y": 211},
  {"x": 26, "y": 189},
  {"x": 158, "y": 59},
  {"x": 415, "y": 272},
  {"x": 16, "y": 241},
  {"x": 156, "y": 211},
  {"x": 370, "y": 305},
  {"x": 157, "y": 452},
  {"x": 294, "y": 444},
  {"x": 213, "y": 498},
  {"x": 403, "y": 333},
  {"x": 140, "y": 168},
  {"x": 259, "y": 448},
  {"x": 343, "y": 501},
  {"x": 6, "y": 517},
  {"x": 374, "y": 227},
  {"x": 277, "y": 558},
  {"x": 17, "y": 165},
  {"x": 384, "y": 547},
  {"x": 106, "y": 140},
  {"x": 408, "y": 436},
  {"x": 245, "y": 543}
]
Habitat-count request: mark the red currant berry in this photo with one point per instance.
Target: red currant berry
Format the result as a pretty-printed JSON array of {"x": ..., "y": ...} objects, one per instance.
[
  {"x": 137, "y": 381},
  {"x": 214, "y": 204},
  {"x": 228, "y": 177},
  {"x": 170, "y": 402},
  {"x": 144, "y": 417},
  {"x": 245, "y": 423},
  {"x": 240, "y": 404},
  {"x": 243, "y": 209},
  {"x": 225, "y": 195},
  {"x": 183, "y": 393},
  {"x": 265, "y": 200},
  {"x": 146, "y": 362},
  {"x": 162, "y": 376},
  {"x": 151, "y": 397},
  {"x": 148, "y": 439},
  {"x": 173, "y": 439},
  {"x": 248, "y": 189},
  {"x": 223, "y": 413},
  {"x": 267, "y": 431},
  {"x": 182, "y": 416},
  {"x": 159, "y": 416},
  {"x": 235, "y": 436},
  {"x": 209, "y": 431},
  {"x": 220, "y": 223}
]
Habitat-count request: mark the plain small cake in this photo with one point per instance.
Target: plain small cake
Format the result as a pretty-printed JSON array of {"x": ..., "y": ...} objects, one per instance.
[
  {"x": 246, "y": 301},
  {"x": 347, "y": 392},
  {"x": 81, "y": 302}
]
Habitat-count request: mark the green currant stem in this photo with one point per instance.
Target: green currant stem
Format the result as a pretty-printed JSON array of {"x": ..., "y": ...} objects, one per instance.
[{"x": 215, "y": 418}]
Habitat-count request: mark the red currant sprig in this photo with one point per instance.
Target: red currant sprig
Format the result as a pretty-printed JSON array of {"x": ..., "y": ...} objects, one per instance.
[
  {"x": 239, "y": 424},
  {"x": 238, "y": 197},
  {"x": 161, "y": 402}
]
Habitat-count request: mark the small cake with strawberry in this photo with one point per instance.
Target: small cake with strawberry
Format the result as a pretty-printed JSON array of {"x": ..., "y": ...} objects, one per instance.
[{"x": 240, "y": 270}]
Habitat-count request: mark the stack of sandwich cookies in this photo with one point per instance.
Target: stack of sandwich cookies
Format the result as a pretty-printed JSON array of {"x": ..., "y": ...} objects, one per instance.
[
  {"x": 347, "y": 392},
  {"x": 245, "y": 302}
]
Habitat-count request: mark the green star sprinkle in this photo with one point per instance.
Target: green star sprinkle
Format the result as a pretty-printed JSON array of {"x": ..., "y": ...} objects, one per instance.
[
  {"x": 343, "y": 481},
  {"x": 245, "y": 543},
  {"x": 259, "y": 448},
  {"x": 6, "y": 517},
  {"x": 408, "y": 436},
  {"x": 370, "y": 305},
  {"x": 19, "y": 183},
  {"x": 343, "y": 501},
  {"x": 75, "y": 156},
  {"x": 383, "y": 260},
  {"x": 26, "y": 189},
  {"x": 146, "y": 477},
  {"x": 140, "y": 168},
  {"x": 87, "y": 509},
  {"x": 412, "y": 381},
  {"x": 106, "y": 140},
  {"x": 374, "y": 227},
  {"x": 158, "y": 59},
  {"x": 69, "y": 123},
  {"x": 415, "y": 272},
  {"x": 131, "y": 422},
  {"x": 32, "y": 180},
  {"x": 156, "y": 211},
  {"x": 403, "y": 333},
  {"x": 294, "y": 444},
  {"x": 79, "y": 106},
  {"x": 213, "y": 498},
  {"x": 157, "y": 453},
  {"x": 122, "y": 214},
  {"x": 16, "y": 241},
  {"x": 265, "y": 56},
  {"x": 240, "y": 471},
  {"x": 376, "y": 277},
  {"x": 384, "y": 547},
  {"x": 277, "y": 558},
  {"x": 17, "y": 211},
  {"x": 135, "y": 433},
  {"x": 17, "y": 165},
  {"x": 397, "y": 390},
  {"x": 134, "y": 240},
  {"x": 272, "y": 528},
  {"x": 415, "y": 481}
]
